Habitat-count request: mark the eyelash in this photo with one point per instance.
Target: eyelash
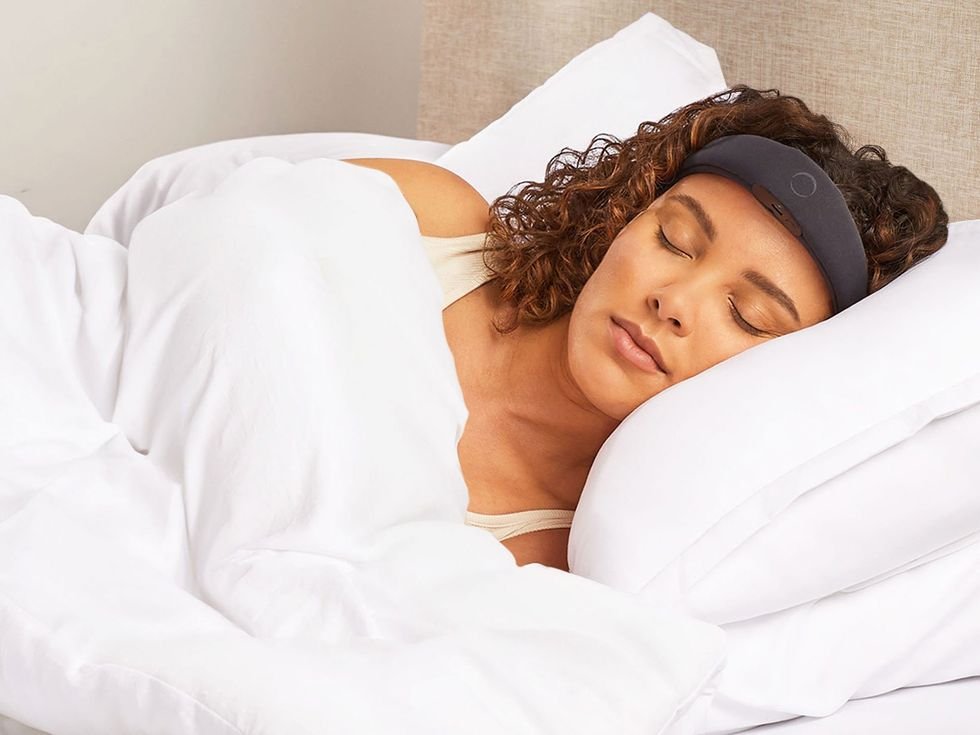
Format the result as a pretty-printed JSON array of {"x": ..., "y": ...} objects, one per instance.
[{"x": 738, "y": 317}]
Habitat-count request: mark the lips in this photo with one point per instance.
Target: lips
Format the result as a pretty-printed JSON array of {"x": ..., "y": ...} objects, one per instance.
[{"x": 643, "y": 342}]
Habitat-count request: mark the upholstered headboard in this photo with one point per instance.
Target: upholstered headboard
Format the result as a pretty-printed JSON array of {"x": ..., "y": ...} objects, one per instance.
[{"x": 903, "y": 75}]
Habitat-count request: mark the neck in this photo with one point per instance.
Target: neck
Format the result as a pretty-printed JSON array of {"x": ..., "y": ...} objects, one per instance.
[{"x": 553, "y": 432}]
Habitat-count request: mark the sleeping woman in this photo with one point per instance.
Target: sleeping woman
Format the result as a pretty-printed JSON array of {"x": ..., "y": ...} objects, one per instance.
[{"x": 637, "y": 264}]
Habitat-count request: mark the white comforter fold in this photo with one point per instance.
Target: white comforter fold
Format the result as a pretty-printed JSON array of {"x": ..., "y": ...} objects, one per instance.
[{"x": 231, "y": 500}]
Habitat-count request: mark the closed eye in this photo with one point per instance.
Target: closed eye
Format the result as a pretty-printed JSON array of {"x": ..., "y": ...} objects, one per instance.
[
  {"x": 744, "y": 324},
  {"x": 739, "y": 319},
  {"x": 667, "y": 243}
]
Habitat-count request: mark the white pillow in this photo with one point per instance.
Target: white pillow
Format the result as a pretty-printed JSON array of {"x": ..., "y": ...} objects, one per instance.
[
  {"x": 693, "y": 524},
  {"x": 913, "y": 629},
  {"x": 168, "y": 178},
  {"x": 897, "y": 510},
  {"x": 645, "y": 71}
]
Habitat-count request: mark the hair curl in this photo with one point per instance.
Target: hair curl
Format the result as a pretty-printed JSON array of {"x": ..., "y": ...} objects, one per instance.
[{"x": 546, "y": 238}]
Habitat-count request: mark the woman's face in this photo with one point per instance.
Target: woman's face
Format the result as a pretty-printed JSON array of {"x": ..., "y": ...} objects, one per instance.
[{"x": 695, "y": 295}]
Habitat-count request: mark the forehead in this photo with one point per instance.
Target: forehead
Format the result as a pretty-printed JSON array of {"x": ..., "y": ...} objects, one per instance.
[{"x": 733, "y": 219}]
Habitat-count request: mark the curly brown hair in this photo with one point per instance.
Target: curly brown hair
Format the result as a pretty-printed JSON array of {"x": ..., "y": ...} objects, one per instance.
[{"x": 546, "y": 238}]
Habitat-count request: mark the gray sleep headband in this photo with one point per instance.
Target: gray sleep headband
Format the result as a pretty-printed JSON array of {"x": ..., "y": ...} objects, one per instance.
[{"x": 797, "y": 192}]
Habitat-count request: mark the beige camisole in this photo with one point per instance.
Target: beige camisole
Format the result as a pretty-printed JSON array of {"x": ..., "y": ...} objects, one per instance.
[{"x": 458, "y": 262}]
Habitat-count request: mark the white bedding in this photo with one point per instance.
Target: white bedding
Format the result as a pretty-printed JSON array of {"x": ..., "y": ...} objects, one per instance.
[
  {"x": 951, "y": 708},
  {"x": 169, "y": 177},
  {"x": 230, "y": 500}
]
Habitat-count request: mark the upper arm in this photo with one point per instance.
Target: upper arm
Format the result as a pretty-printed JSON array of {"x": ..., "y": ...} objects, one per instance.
[{"x": 444, "y": 204}]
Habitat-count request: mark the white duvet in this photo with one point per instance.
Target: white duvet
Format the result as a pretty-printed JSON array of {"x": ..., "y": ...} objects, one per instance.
[{"x": 230, "y": 500}]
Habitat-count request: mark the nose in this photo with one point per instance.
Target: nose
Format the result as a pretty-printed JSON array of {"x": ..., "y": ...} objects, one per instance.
[{"x": 668, "y": 308}]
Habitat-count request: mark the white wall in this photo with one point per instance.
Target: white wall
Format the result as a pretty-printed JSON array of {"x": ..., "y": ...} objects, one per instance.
[{"x": 91, "y": 89}]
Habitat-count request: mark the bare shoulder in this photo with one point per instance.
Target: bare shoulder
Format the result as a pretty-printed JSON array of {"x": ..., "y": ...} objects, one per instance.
[{"x": 445, "y": 205}]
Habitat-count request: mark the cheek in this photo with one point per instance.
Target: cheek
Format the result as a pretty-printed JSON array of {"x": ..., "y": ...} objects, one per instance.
[
  {"x": 624, "y": 259},
  {"x": 590, "y": 366},
  {"x": 580, "y": 341},
  {"x": 711, "y": 352}
]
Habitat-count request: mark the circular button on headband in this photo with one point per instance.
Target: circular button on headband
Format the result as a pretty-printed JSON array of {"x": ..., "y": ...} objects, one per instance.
[
  {"x": 803, "y": 184},
  {"x": 798, "y": 193}
]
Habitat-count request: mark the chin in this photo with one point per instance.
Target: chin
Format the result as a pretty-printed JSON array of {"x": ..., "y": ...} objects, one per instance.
[{"x": 609, "y": 389}]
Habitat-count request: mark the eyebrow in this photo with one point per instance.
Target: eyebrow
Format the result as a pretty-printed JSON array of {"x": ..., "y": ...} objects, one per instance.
[
  {"x": 771, "y": 289},
  {"x": 698, "y": 211}
]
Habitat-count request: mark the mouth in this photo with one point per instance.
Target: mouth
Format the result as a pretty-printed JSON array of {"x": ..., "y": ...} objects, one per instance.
[{"x": 636, "y": 347}]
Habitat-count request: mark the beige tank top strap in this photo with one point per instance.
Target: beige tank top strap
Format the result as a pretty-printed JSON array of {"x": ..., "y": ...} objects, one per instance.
[
  {"x": 458, "y": 262},
  {"x": 508, "y": 525}
]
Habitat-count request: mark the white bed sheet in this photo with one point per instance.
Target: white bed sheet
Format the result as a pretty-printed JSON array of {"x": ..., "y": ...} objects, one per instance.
[{"x": 951, "y": 708}]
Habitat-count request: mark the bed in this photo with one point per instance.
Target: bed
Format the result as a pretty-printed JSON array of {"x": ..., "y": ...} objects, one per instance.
[{"x": 217, "y": 570}]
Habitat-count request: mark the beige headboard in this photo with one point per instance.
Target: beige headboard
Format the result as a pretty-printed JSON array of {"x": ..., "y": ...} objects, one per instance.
[{"x": 903, "y": 75}]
